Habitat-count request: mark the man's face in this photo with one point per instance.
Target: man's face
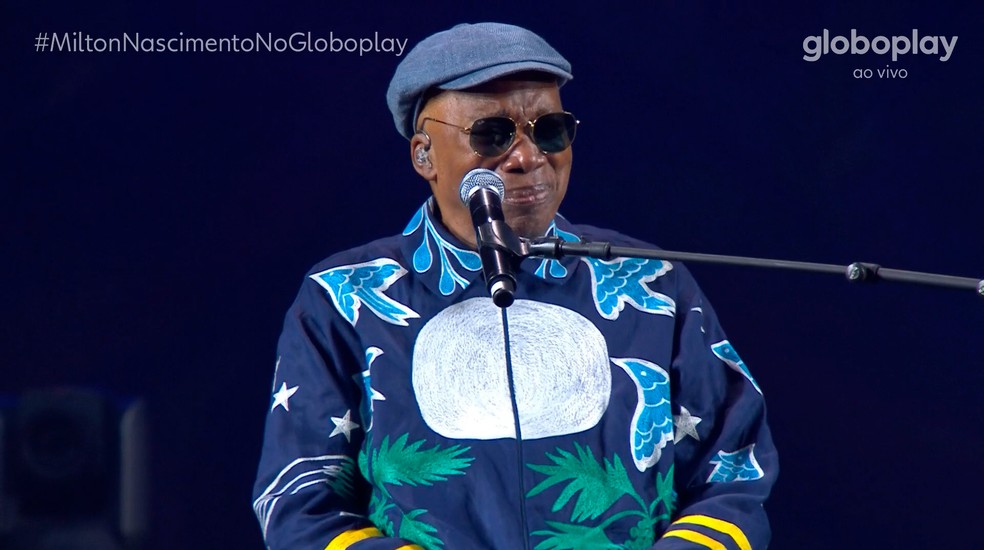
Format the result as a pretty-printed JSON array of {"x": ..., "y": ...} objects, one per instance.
[{"x": 535, "y": 181}]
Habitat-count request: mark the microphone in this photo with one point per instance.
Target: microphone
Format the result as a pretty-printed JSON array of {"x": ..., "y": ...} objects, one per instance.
[{"x": 482, "y": 191}]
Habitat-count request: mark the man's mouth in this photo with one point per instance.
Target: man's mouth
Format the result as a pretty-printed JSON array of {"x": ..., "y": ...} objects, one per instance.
[{"x": 531, "y": 194}]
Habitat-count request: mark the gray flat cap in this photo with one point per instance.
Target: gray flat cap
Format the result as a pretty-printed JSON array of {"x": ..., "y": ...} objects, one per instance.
[{"x": 465, "y": 56}]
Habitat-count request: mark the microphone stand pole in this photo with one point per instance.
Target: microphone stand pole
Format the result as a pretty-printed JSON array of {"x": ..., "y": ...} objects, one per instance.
[
  {"x": 554, "y": 248},
  {"x": 500, "y": 236}
]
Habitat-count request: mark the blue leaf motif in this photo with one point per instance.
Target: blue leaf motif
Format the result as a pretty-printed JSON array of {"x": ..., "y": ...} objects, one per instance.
[
  {"x": 554, "y": 267},
  {"x": 449, "y": 277},
  {"x": 470, "y": 260},
  {"x": 418, "y": 216},
  {"x": 423, "y": 259}
]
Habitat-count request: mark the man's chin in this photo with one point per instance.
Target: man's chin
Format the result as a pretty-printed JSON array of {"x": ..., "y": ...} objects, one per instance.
[{"x": 529, "y": 227}]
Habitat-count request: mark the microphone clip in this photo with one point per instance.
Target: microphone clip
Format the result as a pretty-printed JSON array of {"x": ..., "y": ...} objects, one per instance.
[{"x": 497, "y": 243}]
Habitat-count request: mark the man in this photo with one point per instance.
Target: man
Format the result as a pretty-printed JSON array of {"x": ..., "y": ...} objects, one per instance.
[{"x": 603, "y": 409}]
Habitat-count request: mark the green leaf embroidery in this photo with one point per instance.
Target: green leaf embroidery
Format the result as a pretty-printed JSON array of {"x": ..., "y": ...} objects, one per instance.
[
  {"x": 665, "y": 492},
  {"x": 409, "y": 464},
  {"x": 400, "y": 464},
  {"x": 377, "y": 514},
  {"x": 419, "y": 532},
  {"x": 574, "y": 537},
  {"x": 364, "y": 465},
  {"x": 643, "y": 535},
  {"x": 341, "y": 477},
  {"x": 597, "y": 487}
]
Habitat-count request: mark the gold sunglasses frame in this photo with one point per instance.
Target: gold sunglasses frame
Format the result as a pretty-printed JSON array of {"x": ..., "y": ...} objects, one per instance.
[{"x": 527, "y": 126}]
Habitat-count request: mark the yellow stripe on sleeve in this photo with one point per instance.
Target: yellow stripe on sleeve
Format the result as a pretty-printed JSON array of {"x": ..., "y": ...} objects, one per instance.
[
  {"x": 694, "y": 536},
  {"x": 410, "y": 547},
  {"x": 348, "y": 538},
  {"x": 720, "y": 526}
]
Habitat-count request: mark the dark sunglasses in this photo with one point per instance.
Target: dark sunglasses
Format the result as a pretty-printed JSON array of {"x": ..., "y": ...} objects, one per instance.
[{"x": 493, "y": 136}]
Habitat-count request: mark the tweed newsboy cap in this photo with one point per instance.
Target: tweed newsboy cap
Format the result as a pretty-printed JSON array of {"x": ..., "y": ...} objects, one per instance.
[{"x": 464, "y": 56}]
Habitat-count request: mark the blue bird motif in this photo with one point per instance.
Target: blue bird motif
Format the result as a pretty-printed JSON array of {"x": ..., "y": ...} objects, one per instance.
[
  {"x": 726, "y": 352},
  {"x": 623, "y": 281},
  {"x": 369, "y": 393},
  {"x": 739, "y": 465},
  {"x": 652, "y": 423},
  {"x": 351, "y": 286}
]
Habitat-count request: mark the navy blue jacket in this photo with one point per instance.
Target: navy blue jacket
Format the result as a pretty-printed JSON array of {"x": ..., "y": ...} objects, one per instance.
[{"x": 398, "y": 386}]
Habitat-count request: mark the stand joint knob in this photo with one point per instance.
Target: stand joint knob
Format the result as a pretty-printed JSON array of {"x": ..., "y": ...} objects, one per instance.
[{"x": 860, "y": 272}]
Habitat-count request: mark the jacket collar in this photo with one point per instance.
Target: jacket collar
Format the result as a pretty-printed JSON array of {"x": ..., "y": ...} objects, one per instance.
[{"x": 446, "y": 265}]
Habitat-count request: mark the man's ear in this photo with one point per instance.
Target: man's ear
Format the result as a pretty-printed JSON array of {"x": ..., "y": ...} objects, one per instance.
[{"x": 420, "y": 155}]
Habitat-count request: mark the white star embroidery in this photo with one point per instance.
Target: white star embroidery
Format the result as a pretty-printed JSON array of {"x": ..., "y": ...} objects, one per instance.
[
  {"x": 344, "y": 426},
  {"x": 280, "y": 398},
  {"x": 685, "y": 424}
]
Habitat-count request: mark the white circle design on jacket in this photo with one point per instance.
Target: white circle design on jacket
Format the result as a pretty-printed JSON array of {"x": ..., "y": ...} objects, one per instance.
[{"x": 560, "y": 369}]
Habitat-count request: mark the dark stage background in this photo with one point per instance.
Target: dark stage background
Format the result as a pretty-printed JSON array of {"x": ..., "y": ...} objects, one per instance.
[{"x": 160, "y": 210}]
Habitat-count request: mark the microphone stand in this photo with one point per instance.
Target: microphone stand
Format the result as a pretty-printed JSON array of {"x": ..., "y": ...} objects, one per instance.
[
  {"x": 554, "y": 248},
  {"x": 500, "y": 236}
]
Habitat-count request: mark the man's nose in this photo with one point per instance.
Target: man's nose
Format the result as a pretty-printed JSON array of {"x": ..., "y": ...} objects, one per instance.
[{"x": 524, "y": 155}]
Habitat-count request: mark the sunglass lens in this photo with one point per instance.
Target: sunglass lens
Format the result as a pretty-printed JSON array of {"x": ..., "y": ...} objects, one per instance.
[
  {"x": 554, "y": 132},
  {"x": 492, "y": 136}
]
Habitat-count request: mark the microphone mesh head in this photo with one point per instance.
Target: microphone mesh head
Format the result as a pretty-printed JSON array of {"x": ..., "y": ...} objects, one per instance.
[{"x": 480, "y": 178}]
